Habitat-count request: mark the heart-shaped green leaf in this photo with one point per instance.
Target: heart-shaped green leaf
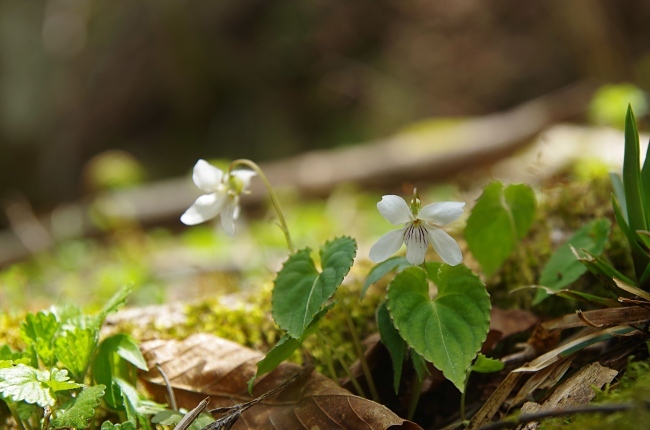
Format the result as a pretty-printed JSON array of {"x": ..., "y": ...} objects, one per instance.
[
  {"x": 301, "y": 290},
  {"x": 499, "y": 220},
  {"x": 448, "y": 330}
]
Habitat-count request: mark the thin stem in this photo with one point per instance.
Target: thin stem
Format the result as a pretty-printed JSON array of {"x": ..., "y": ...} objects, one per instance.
[
  {"x": 170, "y": 390},
  {"x": 353, "y": 380},
  {"x": 274, "y": 199},
  {"x": 346, "y": 368},
  {"x": 415, "y": 396},
  {"x": 14, "y": 413},
  {"x": 462, "y": 396},
  {"x": 362, "y": 357},
  {"x": 327, "y": 356}
]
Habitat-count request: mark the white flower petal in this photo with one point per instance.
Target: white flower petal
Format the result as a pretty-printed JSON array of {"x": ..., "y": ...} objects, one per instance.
[
  {"x": 206, "y": 176},
  {"x": 441, "y": 213},
  {"x": 395, "y": 210},
  {"x": 228, "y": 217},
  {"x": 387, "y": 245},
  {"x": 236, "y": 209},
  {"x": 445, "y": 246},
  {"x": 417, "y": 242},
  {"x": 204, "y": 208},
  {"x": 245, "y": 176}
]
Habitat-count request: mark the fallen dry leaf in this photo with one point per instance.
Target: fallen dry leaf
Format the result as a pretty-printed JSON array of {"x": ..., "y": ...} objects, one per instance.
[
  {"x": 204, "y": 365},
  {"x": 575, "y": 343},
  {"x": 600, "y": 317},
  {"x": 492, "y": 405},
  {"x": 576, "y": 390},
  {"x": 545, "y": 378}
]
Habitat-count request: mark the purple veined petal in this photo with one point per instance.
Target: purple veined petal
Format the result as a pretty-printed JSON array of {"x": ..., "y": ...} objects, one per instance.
[
  {"x": 228, "y": 217},
  {"x": 387, "y": 245},
  {"x": 441, "y": 213},
  {"x": 204, "y": 208},
  {"x": 417, "y": 242},
  {"x": 245, "y": 176},
  {"x": 206, "y": 177},
  {"x": 445, "y": 246},
  {"x": 395, "y": 210}
]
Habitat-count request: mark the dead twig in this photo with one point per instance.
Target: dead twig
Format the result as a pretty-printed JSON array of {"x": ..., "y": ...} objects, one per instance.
[{"x": 538, "y": 416}]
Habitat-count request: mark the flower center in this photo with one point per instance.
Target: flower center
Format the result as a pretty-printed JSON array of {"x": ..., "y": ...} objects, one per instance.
[
  {"x": 235, "y": 185},
  {"x": 416, "y": 233}
]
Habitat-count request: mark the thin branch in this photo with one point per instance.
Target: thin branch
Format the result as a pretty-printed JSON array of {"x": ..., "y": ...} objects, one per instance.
[
  {"x": 537, "y": 416},
  {"x": 170, "y": 390}
]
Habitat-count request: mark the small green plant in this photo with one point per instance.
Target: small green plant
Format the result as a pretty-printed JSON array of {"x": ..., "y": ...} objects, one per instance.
[
  {"x": 440, "y": 312},
  {"x": 631, "y": 204},
  {"x": 66, "y": 376},
  {"x": 445, "y": 326},
  {"x": 631, "y": 201}
]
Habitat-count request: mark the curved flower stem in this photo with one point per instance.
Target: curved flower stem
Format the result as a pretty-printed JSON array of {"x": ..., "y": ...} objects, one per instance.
[{"x": 274, "y": 199}]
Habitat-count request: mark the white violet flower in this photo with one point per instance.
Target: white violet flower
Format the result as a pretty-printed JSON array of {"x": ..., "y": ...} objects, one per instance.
[
  {"x": 221, "y": 196},
  {"x": 420, "y": 229}
]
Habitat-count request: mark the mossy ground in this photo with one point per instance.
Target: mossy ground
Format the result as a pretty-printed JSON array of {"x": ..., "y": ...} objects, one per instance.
[{"x": 235, "y": 299}]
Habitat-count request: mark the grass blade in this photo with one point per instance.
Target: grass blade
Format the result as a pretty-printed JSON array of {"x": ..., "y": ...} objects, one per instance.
[{"x": 632, "y": 175}]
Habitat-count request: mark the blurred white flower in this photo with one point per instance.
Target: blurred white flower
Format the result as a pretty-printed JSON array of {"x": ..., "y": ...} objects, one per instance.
[
  {"x": 420, "y": 229},
  {"x": 221, "y": 196}
]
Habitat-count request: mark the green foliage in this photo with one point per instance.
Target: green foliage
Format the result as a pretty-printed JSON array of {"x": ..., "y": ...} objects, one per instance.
[
  {"x": 74, "y": 349},
  {"x": 382, "y": 269},
  {"x": 128, "y": 425},
  {"x": 59, "y": 381},
  {"x": 300, "y": 296},
  {"x": 632, "y": 185},
  {"x": 419, "y": 364},
  {"x": 603, "y": 270},
  {"x": 391, "y": 338},
  {"x": 286, "y": 347},
  {"x": 634, "y": 216},
  {"x": 485, "y": 364},
  {"x": 564, "y": 267},
  {"x": 110, "y": 366},
  {"x": 449, "y": 330},
  {"x": 39, "y": 331},
  {"x": 25, "y": 383},
  {"x": 67, "y": 337},
  {"x": 499, "y": 220},
  {"x": 79, "y": 413},
  {"x": 114, "y": 303},
  {"x": 301, "y": 290}
]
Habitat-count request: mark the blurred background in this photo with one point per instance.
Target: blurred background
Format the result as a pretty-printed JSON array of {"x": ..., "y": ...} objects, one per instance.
[
  {"x": 99, "y": 95},
  {"x": 171, "y": 81}
]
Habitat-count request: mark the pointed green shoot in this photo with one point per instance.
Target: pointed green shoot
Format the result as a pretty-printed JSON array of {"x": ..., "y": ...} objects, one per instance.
[{"x": 632, "y": 175}]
